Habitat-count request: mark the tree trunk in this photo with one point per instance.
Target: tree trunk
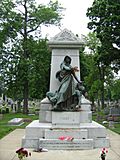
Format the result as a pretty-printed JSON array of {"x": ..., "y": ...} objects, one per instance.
[
  {"x": 25, "y": 91},
  {"x": 93, "y": 104},
  {"x": 102, "y": 90},
  {"x": 102, "y": 95},
  {"x": 25, "y": 95},
  {"x": 19, "y": 106},
  {"x": 101, "y": 73}
]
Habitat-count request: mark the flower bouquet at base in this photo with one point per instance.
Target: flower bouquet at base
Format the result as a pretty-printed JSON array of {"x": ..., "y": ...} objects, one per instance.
[
  {"x": 22, "y": 153},
  {"x": 103, "y": 153}
]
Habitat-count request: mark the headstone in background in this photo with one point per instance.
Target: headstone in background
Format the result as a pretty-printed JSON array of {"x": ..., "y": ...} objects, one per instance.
[
  {"x": 114, "y": 111},
  {"x": 114, "y": 114},
  {"x": 111, "y": 124},
  {"x": 106, "y": 110},
  {"x": 16, "y": 121}
]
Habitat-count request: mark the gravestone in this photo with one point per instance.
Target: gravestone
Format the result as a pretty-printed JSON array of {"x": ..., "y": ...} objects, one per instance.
[
  {"x": 16, "y": 121},
  {"x": 114, "y": 111},
  {"x": 114, "y": 114},
  {"x": 111, "y": 124},
  {"x": 106, "y": 110},
  {"x": 45, "y": 132}
]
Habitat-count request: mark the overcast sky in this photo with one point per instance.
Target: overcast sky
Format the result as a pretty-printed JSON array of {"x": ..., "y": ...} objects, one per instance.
[{"x": 74, "y": 17}]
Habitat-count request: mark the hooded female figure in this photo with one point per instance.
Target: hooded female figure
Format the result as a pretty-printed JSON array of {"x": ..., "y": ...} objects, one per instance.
[{"x": 66, "y": 89}]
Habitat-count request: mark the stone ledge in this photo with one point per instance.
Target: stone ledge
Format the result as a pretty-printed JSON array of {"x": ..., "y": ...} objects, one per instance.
[
  {"x": 76, "y": 144},
  {"x": 75, "y": 133}
]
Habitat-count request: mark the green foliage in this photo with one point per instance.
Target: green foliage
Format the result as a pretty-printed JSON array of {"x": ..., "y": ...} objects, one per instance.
[
  {"x": 92, "y": 42},
  {"x": 83, "y": 64},
  {"x": 115, "y": 90},
  {"x": 98, "y": 73},
  {"x": 91, "y": 79},
  {"x": 37, "y": 72},
  {"x": 21, "y": 51},
  {"x": 104, "y": 18},
  {"x": 39, "y": 69}
]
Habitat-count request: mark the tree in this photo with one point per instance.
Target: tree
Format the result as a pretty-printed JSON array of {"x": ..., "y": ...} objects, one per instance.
[
  {"x": 19, "y": 26},
  {"x": 39, "y": 68},
  {"x": 38, "y": 72},
  {"x": 104, "y": 18},
  {"x": 97, "y": 70},
  {"x": 115, "y": 90},
  {"x": 92, "y": 79}
]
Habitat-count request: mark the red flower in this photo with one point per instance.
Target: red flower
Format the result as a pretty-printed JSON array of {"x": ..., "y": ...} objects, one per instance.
[
  {"x": 19, "y": 150},
  {"x": 67, "y": 138},
  {"x": 25, "y": 152},
  {"x": 22, "y": 153},
  {"x": 105, "y": 150}
]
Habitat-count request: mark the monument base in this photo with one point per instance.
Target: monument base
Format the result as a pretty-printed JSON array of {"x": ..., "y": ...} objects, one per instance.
[
  {"x": 46, "y": 132},
  {"x": 43, "y": 135}
]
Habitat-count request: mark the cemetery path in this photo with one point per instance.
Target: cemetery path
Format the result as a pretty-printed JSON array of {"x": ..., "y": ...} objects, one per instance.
[{"x": 10, "y": 143}]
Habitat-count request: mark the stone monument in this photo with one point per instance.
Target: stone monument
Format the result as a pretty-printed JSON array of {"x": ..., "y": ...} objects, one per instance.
[{"x": 52, "y": 128}]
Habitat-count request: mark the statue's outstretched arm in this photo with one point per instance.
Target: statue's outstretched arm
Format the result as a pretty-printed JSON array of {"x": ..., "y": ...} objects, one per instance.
[{"x": 75, "y": 69}]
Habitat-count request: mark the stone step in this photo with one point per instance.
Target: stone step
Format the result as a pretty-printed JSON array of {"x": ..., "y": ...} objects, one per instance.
[
  {"x": 56, "y": 144},
  {"x": 35, "y": 131},
  {"x": 33, "y": 142},
  {"x": 76, "y": 133}
]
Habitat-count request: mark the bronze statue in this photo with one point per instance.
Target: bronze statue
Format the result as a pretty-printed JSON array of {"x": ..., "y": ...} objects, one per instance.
[{"x": 68, "y": 95}]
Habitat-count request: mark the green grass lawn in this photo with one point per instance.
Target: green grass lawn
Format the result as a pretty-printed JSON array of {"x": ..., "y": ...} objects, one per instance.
[{"x": 5, "y": 128}]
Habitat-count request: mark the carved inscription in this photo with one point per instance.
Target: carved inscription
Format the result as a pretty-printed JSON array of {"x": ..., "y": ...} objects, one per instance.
[
  {"x": 65, "y": 118},
  {"x": 87, "y": 144}
]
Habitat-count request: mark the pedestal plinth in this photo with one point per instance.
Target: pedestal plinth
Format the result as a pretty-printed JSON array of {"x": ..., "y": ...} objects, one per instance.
[{"x": 51, "y": 125}]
